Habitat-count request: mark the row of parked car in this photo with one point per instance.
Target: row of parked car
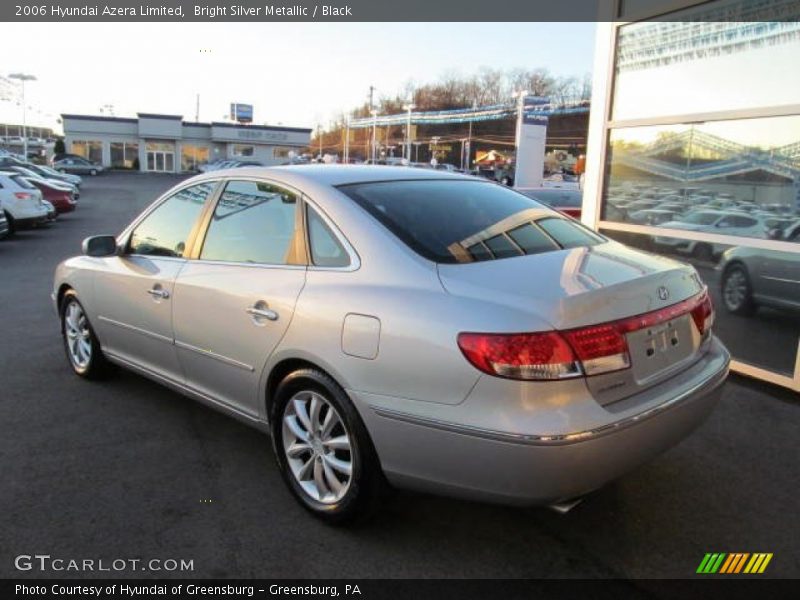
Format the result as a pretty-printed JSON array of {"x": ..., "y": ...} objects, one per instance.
[
  {"x": 32, "y": 195},
  {"x": 700, "y": 210}
]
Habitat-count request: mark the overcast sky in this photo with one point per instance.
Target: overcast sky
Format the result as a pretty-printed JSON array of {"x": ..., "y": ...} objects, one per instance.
[{"x": 296, "y": 74}]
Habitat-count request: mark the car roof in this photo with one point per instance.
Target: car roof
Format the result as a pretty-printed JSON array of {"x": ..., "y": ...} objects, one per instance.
[{"x": 335, "y": 175}]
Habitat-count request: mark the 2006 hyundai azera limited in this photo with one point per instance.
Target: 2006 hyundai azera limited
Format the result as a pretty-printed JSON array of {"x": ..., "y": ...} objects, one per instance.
[{"x": 434, "y": 330}]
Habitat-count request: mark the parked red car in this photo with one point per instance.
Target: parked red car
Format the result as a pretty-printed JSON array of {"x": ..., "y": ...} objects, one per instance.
[
  {"x": 568, "y": 202},
  {"x": 62, "y": 200}
]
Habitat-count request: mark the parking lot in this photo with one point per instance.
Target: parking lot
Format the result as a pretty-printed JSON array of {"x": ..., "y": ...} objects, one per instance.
[{"x": 126, "y": 468}]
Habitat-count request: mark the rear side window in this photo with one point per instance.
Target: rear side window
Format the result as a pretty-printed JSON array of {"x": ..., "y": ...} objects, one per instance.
[
  {"x": 165, "y": 230},
  {"x": 326, "y": 251},
  {"x": 253, "y": 222},
  {"x": 452, "y": 221},
  {"x": 568, "y": 234}
]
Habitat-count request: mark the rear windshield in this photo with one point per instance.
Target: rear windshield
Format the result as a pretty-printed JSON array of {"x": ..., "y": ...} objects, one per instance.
[
  {"x": 22, "y": 182},
  {"x": 456, "y": 221}
]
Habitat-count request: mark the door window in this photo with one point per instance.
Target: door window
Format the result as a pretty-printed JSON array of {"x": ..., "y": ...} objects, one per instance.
[
  {"x": 164, "y": 231},
  {"x": 254, "y": 222}
]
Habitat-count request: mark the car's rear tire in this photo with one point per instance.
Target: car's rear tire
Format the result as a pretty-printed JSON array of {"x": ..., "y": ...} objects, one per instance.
[
  {"x": 324, "y": 452},
  {"x": 737, "y": 291},
  {"x": 83, "y": 350}
]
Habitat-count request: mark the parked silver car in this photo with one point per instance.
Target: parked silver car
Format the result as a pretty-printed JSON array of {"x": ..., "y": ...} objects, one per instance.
[
  {"x": 753, "y": 277},
  {"x": 444, "y": 332}
]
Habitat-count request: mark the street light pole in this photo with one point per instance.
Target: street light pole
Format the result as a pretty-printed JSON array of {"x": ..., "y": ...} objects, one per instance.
[
  {"x": 409, "y": 107},
  {"x": 23, "y": 77},
  {"x": 347, "y": 140},
  {"x": 374, "y": 134},
  {"x": 469, "y": 136}
]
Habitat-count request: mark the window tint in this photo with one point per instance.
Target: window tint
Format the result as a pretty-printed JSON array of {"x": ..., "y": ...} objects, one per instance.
[
  {"x": 164, "y": 231},
  {"x": 326, "y": 251},
  {"x": 568, "y": 234},
  {"x": 531, "y": 239},
  {"x": 253, "y": 222},
  {"x": 457, "y": 221}
]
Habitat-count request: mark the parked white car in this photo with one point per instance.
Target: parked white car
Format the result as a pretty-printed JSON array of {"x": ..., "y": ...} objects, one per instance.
[
  {"x": 711, "y": 221},
  {"x": 21, "y": 201}
]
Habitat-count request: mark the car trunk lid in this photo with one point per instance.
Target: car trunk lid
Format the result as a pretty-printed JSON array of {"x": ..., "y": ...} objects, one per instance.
[{"x": 592, "y": 285}]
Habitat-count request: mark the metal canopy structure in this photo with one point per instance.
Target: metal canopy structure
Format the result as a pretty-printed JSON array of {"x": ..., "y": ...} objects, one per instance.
[{"x": 542, "y": 107}]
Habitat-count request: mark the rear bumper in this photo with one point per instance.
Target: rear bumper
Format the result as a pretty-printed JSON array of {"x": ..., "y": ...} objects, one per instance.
[
  {"x": 517, "y": 468},
  {"x": 31, "y": 221}
]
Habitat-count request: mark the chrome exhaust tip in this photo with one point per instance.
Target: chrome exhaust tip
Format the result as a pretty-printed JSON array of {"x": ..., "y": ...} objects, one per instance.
[{"x": 565, "y": 506}]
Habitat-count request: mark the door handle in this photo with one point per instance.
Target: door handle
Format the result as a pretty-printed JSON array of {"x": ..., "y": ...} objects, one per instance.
[
  {"x": 158, "y": 293},
  {"x": 261, "y": 313}
]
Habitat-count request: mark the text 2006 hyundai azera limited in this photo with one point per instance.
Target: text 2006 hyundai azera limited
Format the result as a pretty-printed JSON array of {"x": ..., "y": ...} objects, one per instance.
[{"x": 439, "y": 331}]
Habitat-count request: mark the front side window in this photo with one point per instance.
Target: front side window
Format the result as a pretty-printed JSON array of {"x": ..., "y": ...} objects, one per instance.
[
  {"x": 463, "y": 221},
  {"x": 165, "y": 230},
  {"x": 254, "y": 222}
]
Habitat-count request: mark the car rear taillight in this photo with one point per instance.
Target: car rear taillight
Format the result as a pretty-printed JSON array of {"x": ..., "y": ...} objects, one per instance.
[
  {"x": 591, "y": 350},
  {"x": 703, "y": 314},
  {"x": 545, "y": 355},
  {"x": 23, "y": 195}
]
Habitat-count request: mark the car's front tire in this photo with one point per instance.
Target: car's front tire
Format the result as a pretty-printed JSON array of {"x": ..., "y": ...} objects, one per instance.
[
  {"x": 80, "y": 342},
  {"x": 737, "y": 291},
  {"x": 323, "y": 449}
]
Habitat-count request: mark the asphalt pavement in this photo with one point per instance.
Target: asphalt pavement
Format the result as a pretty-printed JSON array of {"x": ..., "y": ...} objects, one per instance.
[{"x": 125, "y": 468}]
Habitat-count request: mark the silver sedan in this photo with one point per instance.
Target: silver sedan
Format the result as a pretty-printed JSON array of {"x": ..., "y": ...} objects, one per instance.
[{"x": 426, "y": 329}]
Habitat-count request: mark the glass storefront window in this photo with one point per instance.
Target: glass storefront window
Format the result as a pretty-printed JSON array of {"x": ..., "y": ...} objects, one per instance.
[
  {"x": 738, "y": 177},
  {"x": 193, "y": 156},
  {"x": 124, "y": 155},
  {"x": 160, "y": 156},
  {"x": 732, "y": 55},
  {"x": 756, "y": 296},
  {"x": 242, "y": 150},
  {"x": 91, "y": 150},
  {"x": 281, "y": 152}
]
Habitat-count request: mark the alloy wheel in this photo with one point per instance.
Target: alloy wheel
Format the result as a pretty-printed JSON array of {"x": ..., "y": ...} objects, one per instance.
[
  {"x": 735, "y": 290},
  {"x": 79, "y": 336},
  {"x": 317, "y": 448}
]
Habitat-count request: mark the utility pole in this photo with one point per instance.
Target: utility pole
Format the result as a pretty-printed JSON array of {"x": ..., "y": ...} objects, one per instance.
[
  {"x": 319, "y": 139},
  {"x": 197, "y": 110}
]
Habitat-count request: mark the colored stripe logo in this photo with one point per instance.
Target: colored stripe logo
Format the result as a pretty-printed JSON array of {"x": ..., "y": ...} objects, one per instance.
[{"x": 734, "y": 563}]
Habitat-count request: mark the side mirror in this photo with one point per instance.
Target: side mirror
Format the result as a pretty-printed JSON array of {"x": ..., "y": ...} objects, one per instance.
[{"x": 99, "y": 245}]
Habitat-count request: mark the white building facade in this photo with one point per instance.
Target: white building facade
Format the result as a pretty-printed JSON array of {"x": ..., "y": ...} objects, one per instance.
[
  {"x": 168, "y": 144},
  {"x": 694, "y": 153}
]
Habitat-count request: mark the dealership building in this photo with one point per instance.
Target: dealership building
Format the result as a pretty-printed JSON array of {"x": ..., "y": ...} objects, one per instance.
[
  {"x": 168, "y": 144},
  {"x": 694, "y": 153}
]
